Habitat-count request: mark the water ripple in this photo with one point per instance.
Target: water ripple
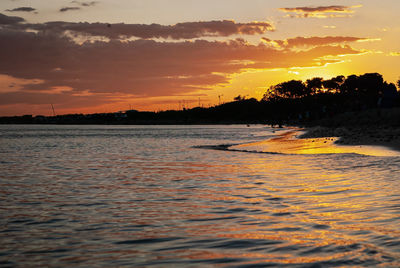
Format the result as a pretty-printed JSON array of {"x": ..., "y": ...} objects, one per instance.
[{"x": 156, "y": 196}]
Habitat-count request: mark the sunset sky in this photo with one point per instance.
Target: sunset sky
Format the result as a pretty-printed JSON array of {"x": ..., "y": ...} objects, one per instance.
[{"x": 112, "y": 55}]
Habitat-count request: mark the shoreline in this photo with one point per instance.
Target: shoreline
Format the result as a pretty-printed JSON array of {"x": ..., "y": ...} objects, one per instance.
[
  {"x": 383, "y": 136},
  {"x": 318, "y": 141},
  {"x": 380, "y": 135},
  {"x": 373, "y": 127}
]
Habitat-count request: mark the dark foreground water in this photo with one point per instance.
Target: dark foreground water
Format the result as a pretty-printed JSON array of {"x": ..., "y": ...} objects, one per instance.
[{"x": 109, "y": 196}]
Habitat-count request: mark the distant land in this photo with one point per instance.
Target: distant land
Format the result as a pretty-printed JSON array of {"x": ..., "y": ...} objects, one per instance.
[{"x": 340, "y": 101}]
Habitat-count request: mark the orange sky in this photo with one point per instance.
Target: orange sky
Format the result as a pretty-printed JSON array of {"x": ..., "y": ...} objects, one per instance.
[{"x": 106, "y": 56}]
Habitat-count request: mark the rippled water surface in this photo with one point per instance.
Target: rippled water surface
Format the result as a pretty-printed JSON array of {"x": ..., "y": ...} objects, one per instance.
[{"x": 172, "y": 196}]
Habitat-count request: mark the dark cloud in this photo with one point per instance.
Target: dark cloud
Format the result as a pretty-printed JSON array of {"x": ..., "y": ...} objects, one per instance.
[
  {"x": 8, "y": 20},
  {"x": 319, "y": 12},
  {"x": 186, "y": 30},
  {"x": 64, "y": 9},
  {"x": 317, "y": 9},
  {"x": 85, "y": 4},
  {"x": 21, "y": 9}
]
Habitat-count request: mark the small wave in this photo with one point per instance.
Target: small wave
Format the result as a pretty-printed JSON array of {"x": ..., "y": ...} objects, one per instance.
[
  {"x": 49, "y": 251},
  {"x": 321, "y": 226},
  {"x": 51, "y": 221},
  {"x": 147, "y": 240},
  {"x": 227, "y": 147},
  {"x": 244, "y": 243},
  {"x": 214, "y": 219},
  {"x": 223, "y": 147}
]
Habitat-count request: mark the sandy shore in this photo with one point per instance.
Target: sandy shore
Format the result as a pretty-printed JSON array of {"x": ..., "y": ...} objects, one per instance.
[
  {"x": 316, "y": 141},
  {"x": 369, "y": 127},
  {"x": 361, "y": 135}
]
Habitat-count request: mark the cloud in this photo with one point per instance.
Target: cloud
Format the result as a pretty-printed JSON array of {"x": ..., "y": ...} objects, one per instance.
[
  {"x": 320, "y": 12},
  {"x": 141, "y": 67},
  {"x": 394, "y": 54},
  {"x": 21, "y": 9},
  {"x": 7, "y": 98},
  {"x": 312, "y": 41},
  {"x": 186, "y": 30},
  {"x": 64, "y": 9},
  {"x": 8, "y": 20},
  {"x": 85, "y": 4},
  {"x": 340, "y": 9},
  {"x": 48, "y": 62}
]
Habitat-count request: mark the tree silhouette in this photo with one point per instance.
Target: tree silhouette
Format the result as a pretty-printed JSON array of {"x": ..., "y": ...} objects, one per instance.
[
  {"x": 318, "y": 98},
  {"x": 314, "y": 85},
  {"x": 370, "y": 83},
  {"x": 333, "y": 85},
  {"x": 286, "y": 90},
  {"x": 350, "y": 84},
  {"x": 389, "y": 95},
  {"x": 239, "y": 98}
]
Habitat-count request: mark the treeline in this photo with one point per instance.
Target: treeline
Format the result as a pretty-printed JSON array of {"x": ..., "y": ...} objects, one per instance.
[
  {"x": 290, "y": 102},
  {"x": 317, "y": 98},
  {"x": 369, "y": 85}
]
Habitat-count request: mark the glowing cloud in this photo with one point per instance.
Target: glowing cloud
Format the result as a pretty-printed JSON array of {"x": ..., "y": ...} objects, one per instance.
[
  {"x": 142, "y": 67},
  {"x": 312, "y": 41},
  {"x": 46, "y": 65},
  {"x": 329, "y": 27},
  {"x": 320, "y": 12}
]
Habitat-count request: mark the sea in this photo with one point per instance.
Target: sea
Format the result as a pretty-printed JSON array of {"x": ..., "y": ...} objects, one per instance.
[{"x": 186, "y": 196}]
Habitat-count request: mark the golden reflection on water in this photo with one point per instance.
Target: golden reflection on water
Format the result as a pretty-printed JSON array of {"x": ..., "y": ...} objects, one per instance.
[
  {"x": 301, "y": 205},
  {"x": 287, "y": 143}
]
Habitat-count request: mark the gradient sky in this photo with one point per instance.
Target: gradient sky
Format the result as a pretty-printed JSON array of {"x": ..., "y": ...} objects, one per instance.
[{"x": 111, "y": 55}]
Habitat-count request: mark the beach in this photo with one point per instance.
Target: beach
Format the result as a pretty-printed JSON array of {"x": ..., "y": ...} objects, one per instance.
[
  {"x": 376, "y": 127},
  {"x": 321, "y": 140},
  {"x": 387, "y": 136}
]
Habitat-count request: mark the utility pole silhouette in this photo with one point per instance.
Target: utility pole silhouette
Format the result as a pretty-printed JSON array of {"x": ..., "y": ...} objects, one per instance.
[
  {"x": 219, "y": 99},
  {"x": 52, "y": 107}
]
